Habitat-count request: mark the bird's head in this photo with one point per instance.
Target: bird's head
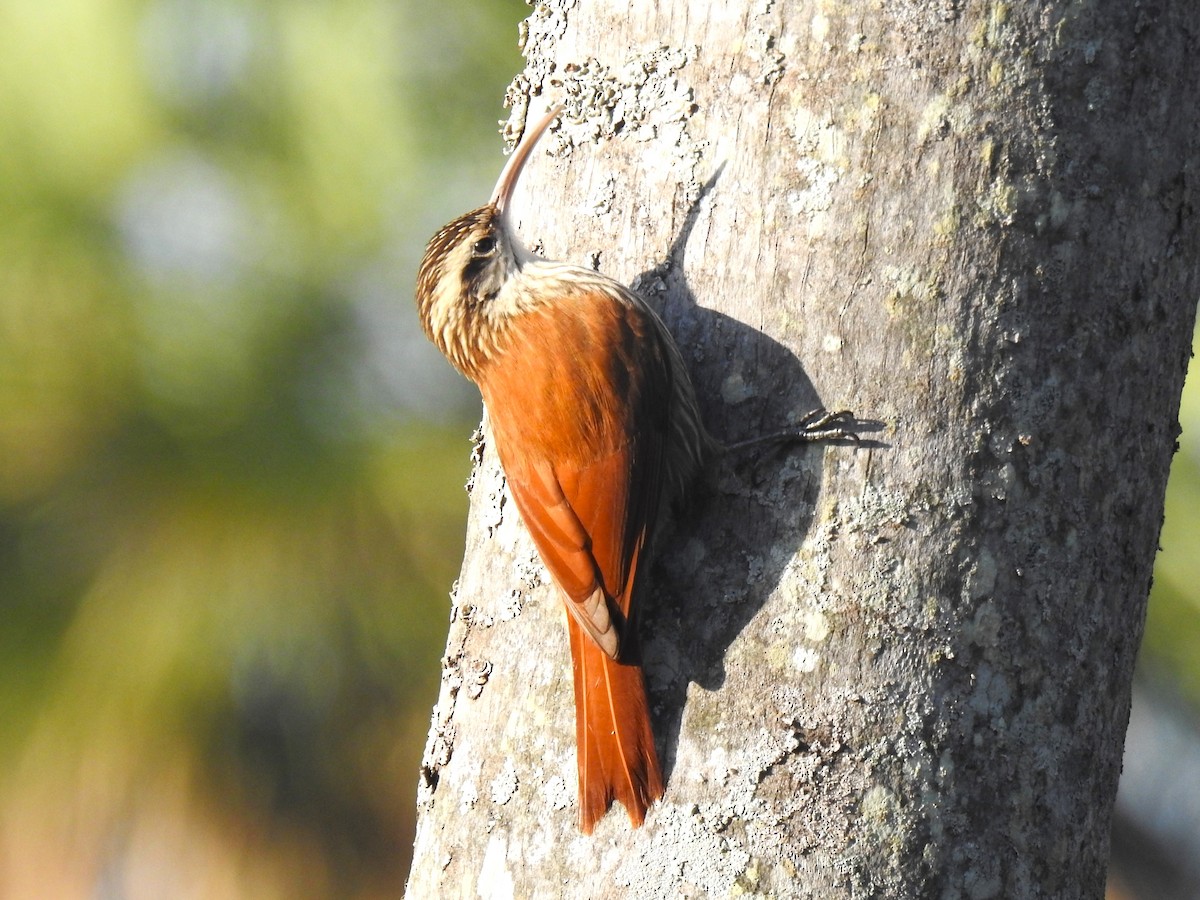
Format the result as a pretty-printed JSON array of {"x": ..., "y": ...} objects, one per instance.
[{"x": 468, "y": 263}]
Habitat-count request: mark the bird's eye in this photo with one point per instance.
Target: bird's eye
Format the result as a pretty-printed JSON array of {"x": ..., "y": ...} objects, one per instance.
[{"x": 484, "y": 247}]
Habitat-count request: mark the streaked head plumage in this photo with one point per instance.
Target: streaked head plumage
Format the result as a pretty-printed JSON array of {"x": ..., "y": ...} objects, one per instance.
[{"x": 468, "y": 263}]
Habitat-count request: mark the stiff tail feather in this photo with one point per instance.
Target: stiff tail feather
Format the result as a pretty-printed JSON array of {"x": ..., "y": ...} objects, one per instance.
[{"x": 613, "y": 740}]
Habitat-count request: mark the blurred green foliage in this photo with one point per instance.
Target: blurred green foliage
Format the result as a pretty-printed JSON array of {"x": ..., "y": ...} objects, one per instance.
[
  {"x": 1169, "y": 653},
  {"x": 231, "y": 469}
]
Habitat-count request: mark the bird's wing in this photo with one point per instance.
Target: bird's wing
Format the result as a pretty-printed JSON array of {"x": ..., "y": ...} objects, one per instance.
[
  {"x": 590, "y": 499},
  {"x": 589, "y": 562}
]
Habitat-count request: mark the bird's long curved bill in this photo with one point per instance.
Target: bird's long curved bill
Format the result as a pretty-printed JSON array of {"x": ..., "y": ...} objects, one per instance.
[{"x": 512, "y": 169}]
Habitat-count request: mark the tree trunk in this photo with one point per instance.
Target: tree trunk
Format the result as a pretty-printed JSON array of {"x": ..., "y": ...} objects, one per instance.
[{"x": 901, "y": 669}]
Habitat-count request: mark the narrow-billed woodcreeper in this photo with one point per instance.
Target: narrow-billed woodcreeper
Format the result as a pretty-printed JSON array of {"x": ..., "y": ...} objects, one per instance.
[{"x": 595, "y": 422}]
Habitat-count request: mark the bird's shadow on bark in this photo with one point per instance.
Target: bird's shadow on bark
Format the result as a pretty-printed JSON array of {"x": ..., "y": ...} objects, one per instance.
[{"x": 733, "y": 539}]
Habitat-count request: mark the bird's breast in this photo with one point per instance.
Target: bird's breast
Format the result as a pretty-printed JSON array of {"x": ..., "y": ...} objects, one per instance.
[{"x": 566, "y": 376}]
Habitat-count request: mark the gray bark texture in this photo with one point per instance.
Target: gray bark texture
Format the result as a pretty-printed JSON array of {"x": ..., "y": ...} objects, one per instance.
[{"x": 897, "y": 670}]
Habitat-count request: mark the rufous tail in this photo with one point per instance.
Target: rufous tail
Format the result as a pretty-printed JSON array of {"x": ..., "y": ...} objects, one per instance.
[{"x": 613, "y": 740}]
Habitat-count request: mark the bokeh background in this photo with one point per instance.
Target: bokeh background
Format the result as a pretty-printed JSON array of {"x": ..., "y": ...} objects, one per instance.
[{"x": 231, "y": 468}]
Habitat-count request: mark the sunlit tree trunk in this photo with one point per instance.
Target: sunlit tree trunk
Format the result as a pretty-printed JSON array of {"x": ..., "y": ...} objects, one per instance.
[{"x": 895, "y": 670}]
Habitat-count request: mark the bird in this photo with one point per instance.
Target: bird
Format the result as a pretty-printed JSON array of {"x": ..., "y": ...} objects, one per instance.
[{"x": 596, "y": 425}]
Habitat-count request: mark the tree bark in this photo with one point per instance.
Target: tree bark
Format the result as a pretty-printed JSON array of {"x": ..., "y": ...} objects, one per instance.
[{"x": 896, "y": 670}]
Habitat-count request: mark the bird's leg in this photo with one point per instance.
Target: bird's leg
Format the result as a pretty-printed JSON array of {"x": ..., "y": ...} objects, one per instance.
[{"x": 818, "y": 425}]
